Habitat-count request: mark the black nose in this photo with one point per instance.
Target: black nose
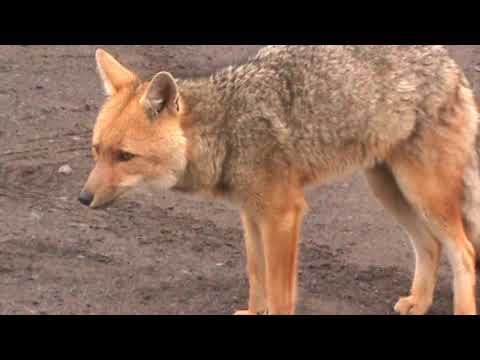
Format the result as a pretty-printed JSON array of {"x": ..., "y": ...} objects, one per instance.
[{"x": 86, "y": 198}]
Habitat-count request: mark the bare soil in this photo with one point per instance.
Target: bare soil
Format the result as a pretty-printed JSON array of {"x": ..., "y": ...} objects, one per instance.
[{"x": 164, "y": 254}]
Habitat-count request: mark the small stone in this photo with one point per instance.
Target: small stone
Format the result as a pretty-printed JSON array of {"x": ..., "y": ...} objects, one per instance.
[
  {"x": 477, "y": 68},
  {"x": 35, "y": 215},
  {"x": 65, "y": 170}
]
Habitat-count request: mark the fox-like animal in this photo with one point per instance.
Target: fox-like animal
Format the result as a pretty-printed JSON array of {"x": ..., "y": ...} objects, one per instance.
[{"x": 257, "y": 134}]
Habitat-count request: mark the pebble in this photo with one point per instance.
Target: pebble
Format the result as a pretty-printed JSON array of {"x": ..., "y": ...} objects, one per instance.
[
  {"x": 35, "y": 215},
  {"x": 65, "y": 170}
]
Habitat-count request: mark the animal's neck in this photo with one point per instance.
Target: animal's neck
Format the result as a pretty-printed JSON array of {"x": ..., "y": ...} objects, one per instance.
[{"x": 204, "y": 122}]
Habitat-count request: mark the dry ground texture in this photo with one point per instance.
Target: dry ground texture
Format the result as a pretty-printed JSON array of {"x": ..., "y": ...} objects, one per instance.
[{"x": 167, "y": 254}]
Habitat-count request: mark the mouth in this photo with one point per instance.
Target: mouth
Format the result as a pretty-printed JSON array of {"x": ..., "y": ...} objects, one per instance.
[{"x": 102, "y": 204}]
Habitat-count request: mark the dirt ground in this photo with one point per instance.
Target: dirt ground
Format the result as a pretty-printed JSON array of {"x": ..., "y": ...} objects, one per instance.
[{"x": 164, "y": 254}]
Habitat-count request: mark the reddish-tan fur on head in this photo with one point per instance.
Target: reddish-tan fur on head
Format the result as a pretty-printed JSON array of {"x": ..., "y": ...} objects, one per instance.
[{"x": 137, "y": 136}]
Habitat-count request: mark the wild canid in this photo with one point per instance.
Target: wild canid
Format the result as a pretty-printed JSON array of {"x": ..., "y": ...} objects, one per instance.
[{"x": 257, "y": 134}]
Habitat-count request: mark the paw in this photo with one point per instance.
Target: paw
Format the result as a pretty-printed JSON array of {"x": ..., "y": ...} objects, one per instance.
[
  {"x": 248, "y": 313},
  {"x": 412, "y": 305},
  {"x": 466, "y": 309},
  {"x": 466, "y": 312},
  {"x": 243, "y": 313}
]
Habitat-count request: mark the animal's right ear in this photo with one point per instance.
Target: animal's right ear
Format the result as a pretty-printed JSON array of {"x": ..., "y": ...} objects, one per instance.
[{"x": 113, "y": 74}]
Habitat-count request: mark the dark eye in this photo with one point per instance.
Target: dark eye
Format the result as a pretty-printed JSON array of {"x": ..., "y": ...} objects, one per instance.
[{"x": 124, "y": 156}]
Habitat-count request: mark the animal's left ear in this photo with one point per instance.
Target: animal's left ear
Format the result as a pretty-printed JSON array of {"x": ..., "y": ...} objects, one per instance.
[{"x": 162, "y": 94}]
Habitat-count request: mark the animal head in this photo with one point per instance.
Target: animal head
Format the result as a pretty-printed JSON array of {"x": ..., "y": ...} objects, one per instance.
[{"x": 137, "y": 138}]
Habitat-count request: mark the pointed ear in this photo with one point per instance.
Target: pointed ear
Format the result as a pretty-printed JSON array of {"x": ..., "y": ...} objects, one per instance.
[
  {"x": 161, "y": 94},
  {"x": 113, "y": 74}
]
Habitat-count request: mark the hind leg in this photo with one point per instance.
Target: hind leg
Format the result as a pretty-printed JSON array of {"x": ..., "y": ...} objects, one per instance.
[
  {"x": 435, "y": 189},
  {"x": 427, "y": 248}
]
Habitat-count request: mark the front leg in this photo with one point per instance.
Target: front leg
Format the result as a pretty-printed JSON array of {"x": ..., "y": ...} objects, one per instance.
[
  {"x": 255, "y": 267},
  {"x": 280, "y": 222},
  {"x": 280, "y": 234}
]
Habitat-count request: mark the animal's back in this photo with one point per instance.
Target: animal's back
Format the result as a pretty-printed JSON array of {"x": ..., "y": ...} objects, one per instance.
[
  {"x": 330, "y": 108},
  {"x": 347, "y": 90}
]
